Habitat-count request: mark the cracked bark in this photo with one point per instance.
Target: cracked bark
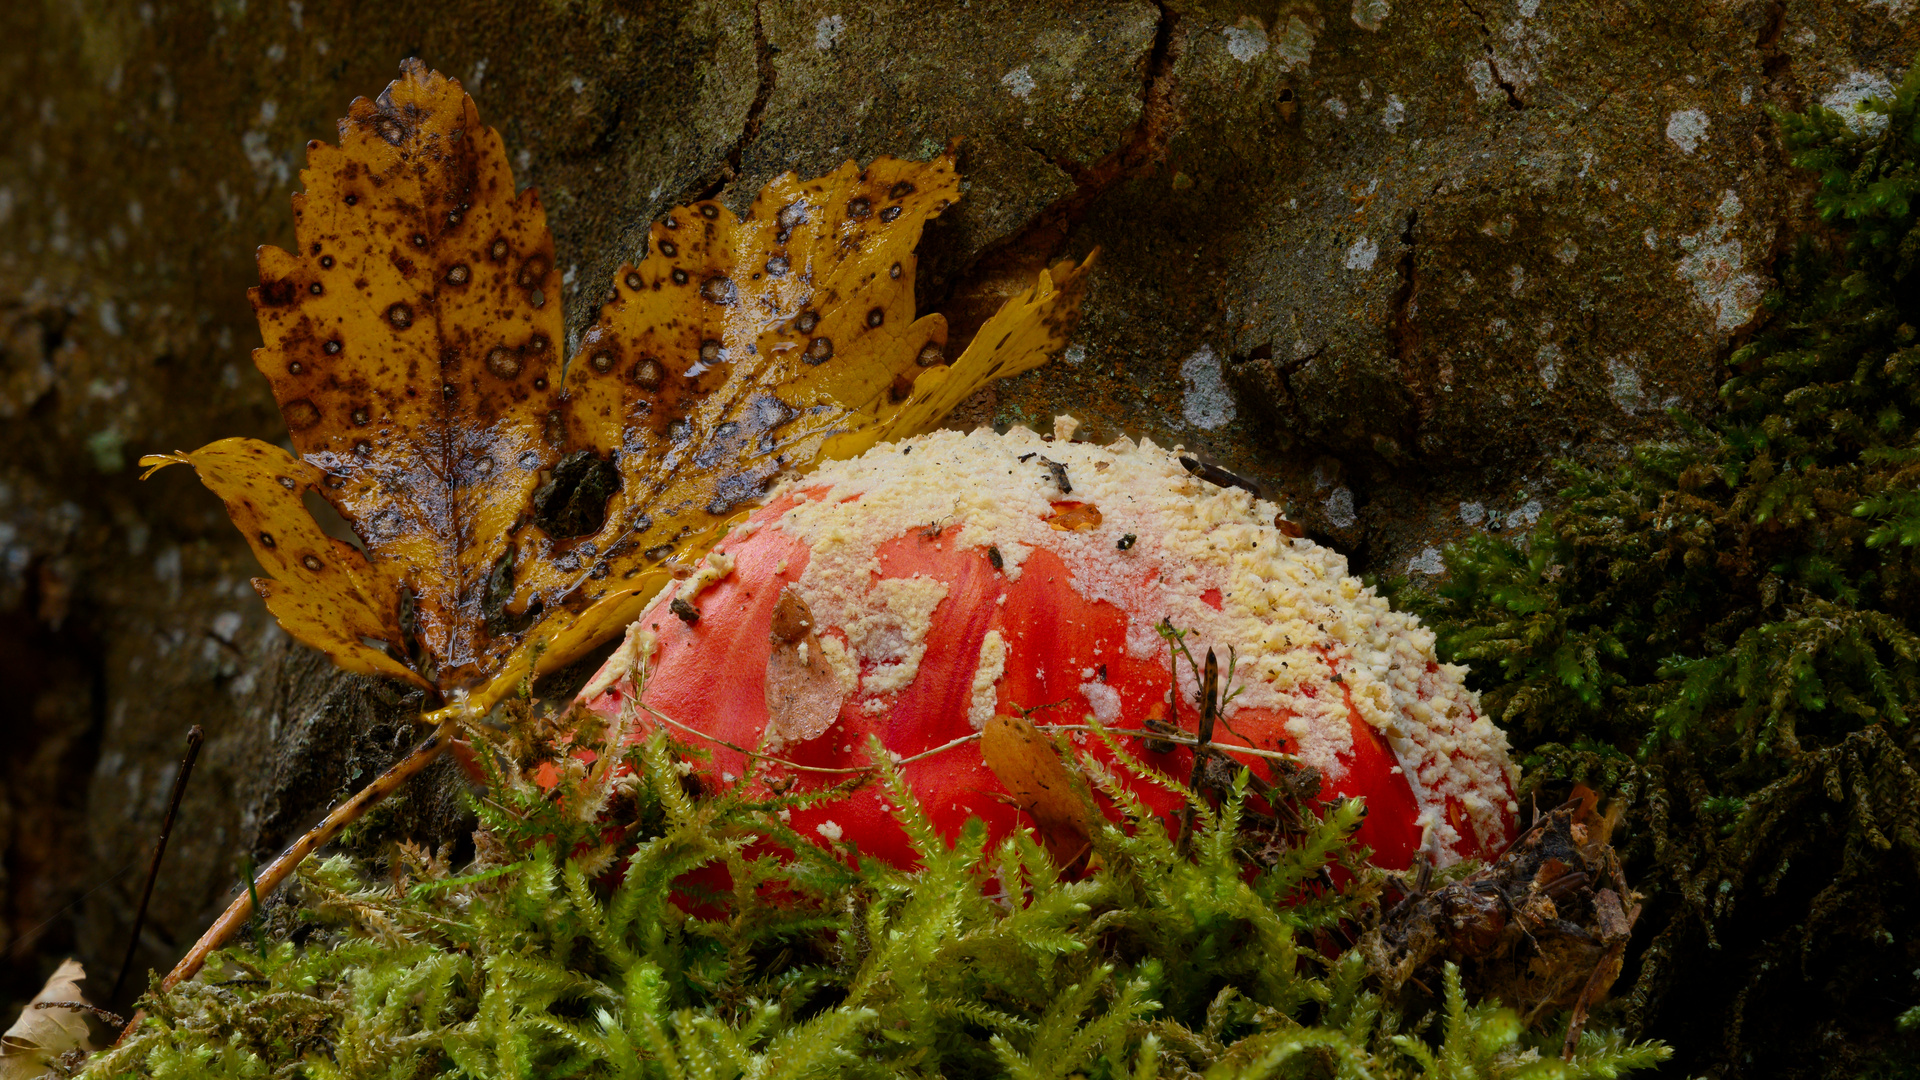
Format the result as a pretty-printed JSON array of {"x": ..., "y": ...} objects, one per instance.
[
  {"x": 1493, "y": 63},
  {"x": 1008, "y": 268},
  {"x": 729, "y": 169},
  {"x": 1403, "y": 337}
]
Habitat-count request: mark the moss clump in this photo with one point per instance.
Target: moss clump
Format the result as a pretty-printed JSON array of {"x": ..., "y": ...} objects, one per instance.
[
  {"x": 1722, "y": 632},
  {"x": 621, "y": 925}
]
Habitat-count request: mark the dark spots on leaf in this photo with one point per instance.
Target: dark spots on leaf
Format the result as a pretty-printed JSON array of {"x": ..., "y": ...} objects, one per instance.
[
  {"x": 806, "y": 321},
  {"x": 720, "y": 289},
  {"x": 286, "y": 482},
  {"x": 540, "y": 382},
  {"x": 777, "y": 266},
  {"x": 709, "y": 211},
  {"x": 390, "y": 130},
  {"x": 679, "y": 276},
  {"x": 672, "y": 223},
  {"x": 498, "y": 251},
  {"x": 300, "y": 414},
  {"x": 458, "y": 274},
  {"x": 819, "y": 350},
  {"x": 648, "y": 373},
  {"x": 267, "y": 540},
  {"x": 351, "y": 200},
  {"x": 710, "y": 351},
  {"x": 731, "y": 491},
  {"x": 894, "y": 271},
  {"x": 537, "y": 298},
  {"x": 901, "y": 189},
  {"x": 276, "y": 293},
  {"x": 332, "y": 347},
  {"x": 875, "y": 317},
  {"x": 794, "y": 213},
  {"x": 296, "y": 368},
  {"x": 361, "y": 415},
  {"x": 316, "y": 288},
  {"x": 890, "y": 213},
  {"x": 574, "y": 501},
  {"x": 859, "y": 208},
  {"x": 503, "y": 363},
  {"x": 669, "y": 248},
  {"x": 658, "y": 552},
  {"x": 419, "y": 240},
  {"x": 930, "y": 355},
  {"x": 901, "y": 389},
  {"x": 533, "y": 271},
  {"x": 538, "y": 343},
  {"x": 633, "y": 280},
  {"x": 602, "y": 362},
  {"x": 400, "y": 315},
  {"x": 311, "y": 562},
  {"x": 326, "y": 261}
]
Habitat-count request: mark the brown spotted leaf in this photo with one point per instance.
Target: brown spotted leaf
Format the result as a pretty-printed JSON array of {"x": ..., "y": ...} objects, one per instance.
[
  {"x": 516, "y": 511},
  {"x": 1029, "y": 766}
]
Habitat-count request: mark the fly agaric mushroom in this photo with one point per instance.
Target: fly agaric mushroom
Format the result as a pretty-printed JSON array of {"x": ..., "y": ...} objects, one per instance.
[{"x": 923, "y": 589}]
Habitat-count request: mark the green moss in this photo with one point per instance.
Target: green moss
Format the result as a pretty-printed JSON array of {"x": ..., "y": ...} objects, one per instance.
[
  {"x": 1722, "y": 632},
  {"x": 626, "y": 926}
]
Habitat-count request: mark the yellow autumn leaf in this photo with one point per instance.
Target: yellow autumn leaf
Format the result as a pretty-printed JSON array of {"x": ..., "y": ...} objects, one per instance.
[{"x": 516, "y": 511}]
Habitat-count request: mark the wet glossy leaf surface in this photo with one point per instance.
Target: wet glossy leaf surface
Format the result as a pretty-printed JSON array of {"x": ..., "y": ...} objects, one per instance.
[{"x": 514, "y": 509}]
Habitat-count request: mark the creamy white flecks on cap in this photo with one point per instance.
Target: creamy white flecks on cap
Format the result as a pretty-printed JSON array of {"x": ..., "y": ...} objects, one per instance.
[{"x": 1288, "y": 606}]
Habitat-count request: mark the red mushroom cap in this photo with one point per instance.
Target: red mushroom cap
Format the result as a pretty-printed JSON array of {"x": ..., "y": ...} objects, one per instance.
[{"x": 932, "y": 584}]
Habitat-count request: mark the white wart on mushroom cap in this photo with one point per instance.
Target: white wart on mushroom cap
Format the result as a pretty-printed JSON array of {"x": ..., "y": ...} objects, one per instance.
[{"x": 1207, "y": 559}]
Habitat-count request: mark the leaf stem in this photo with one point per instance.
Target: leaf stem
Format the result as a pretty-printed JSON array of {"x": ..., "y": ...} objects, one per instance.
[{"x": 277, "y": 871}]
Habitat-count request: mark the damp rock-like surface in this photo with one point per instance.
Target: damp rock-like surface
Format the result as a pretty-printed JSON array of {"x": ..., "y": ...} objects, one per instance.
[{"x": 1389, "y": 258}]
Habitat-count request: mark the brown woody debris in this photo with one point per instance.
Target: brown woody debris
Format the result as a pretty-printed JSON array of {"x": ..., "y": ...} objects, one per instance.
[{"x": 1543, "y": 928}]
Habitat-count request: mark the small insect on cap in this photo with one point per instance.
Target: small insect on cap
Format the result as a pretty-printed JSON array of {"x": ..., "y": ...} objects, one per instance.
[{"x": 1062, "y": 584}]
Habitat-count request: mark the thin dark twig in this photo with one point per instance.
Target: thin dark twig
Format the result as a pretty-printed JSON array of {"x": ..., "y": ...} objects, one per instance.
[
  {"x": 194, "y": 736},
  {"x": 1209, "y": 711},
  {"x": 107, "y": 1015}
]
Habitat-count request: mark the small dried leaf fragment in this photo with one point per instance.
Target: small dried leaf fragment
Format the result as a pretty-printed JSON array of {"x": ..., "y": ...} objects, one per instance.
[
  {"x": 804, "y": 693},
  {"x": 1029, "y": 767},
  {"x": 41, "y": 1035},
  {"x": 1074, "y": 516},
  {"x": 412, "y": 340}
]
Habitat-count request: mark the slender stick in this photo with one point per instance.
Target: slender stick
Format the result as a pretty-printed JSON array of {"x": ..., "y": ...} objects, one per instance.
[
  {"x": 277, "y": 871},
  {"x": 1132, "y": 733},
  {"x": 159, "y": 849}
]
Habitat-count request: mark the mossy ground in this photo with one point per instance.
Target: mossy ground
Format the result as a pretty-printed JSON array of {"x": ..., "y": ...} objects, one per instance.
[{"x": 623, "y": 923}]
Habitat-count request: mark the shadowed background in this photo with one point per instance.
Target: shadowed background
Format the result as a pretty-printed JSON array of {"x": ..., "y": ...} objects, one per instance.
[{"x": 1387, "y": 257}]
